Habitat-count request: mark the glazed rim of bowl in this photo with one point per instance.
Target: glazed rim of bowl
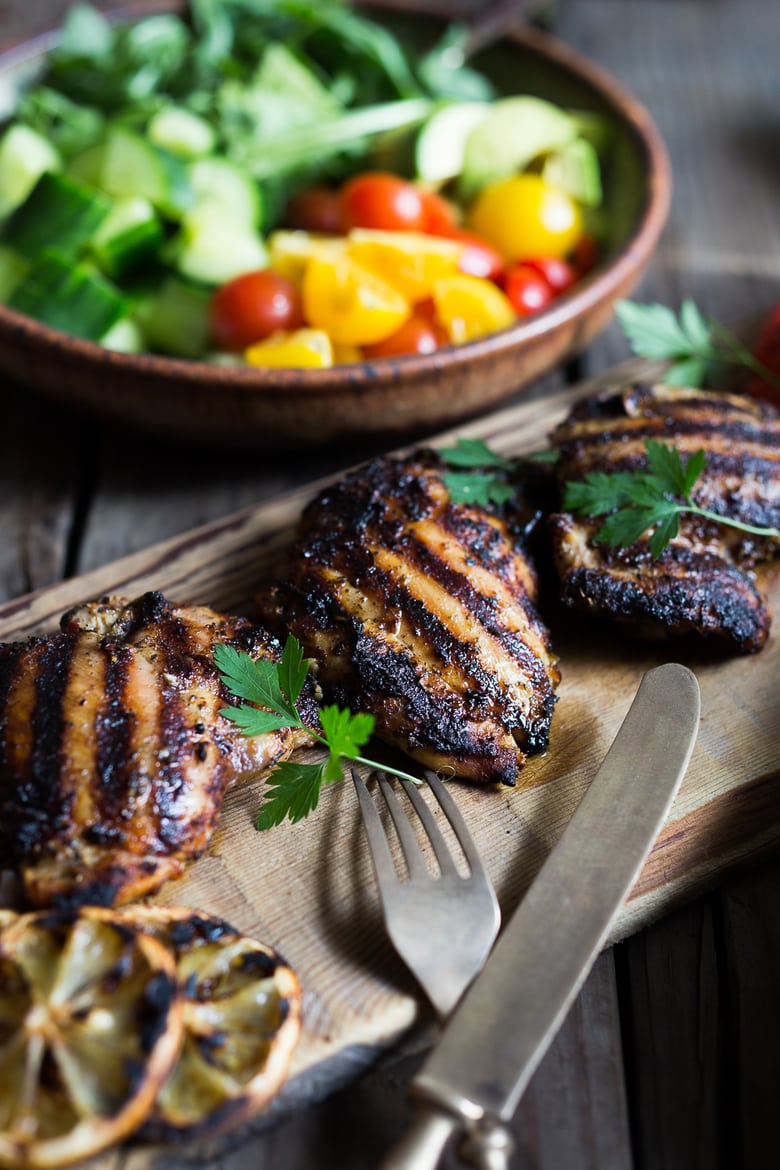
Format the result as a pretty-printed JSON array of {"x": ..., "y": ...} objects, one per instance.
[{"x": 590, "y": 291}]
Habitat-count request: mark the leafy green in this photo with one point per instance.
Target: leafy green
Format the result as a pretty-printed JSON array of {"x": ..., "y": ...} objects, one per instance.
[
  {"x": 636, "y": 502},
  {"x": 271, "y": 691},
  {"x": 475, "y": 485},
  {"x": 698, "y": 348}
]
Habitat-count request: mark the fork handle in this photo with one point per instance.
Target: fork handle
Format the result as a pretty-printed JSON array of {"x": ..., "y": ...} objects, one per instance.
[{"x": 486, "y": 1146}]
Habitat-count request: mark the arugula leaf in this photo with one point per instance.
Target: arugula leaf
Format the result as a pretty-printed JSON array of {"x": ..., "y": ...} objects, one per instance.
[
  {"x": 277, "y": 685},
  {"x": 637, "y": 501}
]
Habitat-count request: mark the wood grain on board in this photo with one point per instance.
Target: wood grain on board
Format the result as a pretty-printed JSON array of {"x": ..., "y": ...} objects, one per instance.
[{"x": 309, "y": 888}]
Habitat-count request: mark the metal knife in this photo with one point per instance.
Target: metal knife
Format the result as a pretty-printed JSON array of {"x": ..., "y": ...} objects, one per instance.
[{"x": 473, "y": 1080}]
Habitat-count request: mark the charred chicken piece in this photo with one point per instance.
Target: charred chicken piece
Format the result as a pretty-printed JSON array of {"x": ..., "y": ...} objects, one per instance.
[
  {"x": 113, "y": 755},
  {"x": 703, "y": 582},
  {"x": 422, "y": 613}
]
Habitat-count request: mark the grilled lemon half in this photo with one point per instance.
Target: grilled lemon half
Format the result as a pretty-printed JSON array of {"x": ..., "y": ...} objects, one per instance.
[
  {"x": 90, "y": 1027},
  {"x": 242, "y": 1009}
]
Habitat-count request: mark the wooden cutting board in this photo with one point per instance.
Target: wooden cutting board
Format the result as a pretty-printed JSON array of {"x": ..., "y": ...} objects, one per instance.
[{"x": 309, "y": 890}]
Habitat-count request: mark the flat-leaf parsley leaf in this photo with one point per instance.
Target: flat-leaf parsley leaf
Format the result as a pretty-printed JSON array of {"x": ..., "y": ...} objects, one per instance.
[
  {"x": 636, "y": 502},
  {"x": 271, "y": 691},
  {"x": 696, "y": 346}
]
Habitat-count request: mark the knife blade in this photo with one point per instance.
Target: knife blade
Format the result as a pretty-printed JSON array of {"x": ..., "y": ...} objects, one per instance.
[{"x": 491, "y": 1045}]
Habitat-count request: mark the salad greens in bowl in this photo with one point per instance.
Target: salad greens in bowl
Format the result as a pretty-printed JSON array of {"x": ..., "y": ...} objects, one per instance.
[{"x": 269, "y": 222}]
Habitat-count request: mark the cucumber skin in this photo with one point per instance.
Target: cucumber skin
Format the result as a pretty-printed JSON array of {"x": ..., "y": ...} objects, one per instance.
[
  {"x": 68, "y": 297},
  {"x": 59, "y": 212}
]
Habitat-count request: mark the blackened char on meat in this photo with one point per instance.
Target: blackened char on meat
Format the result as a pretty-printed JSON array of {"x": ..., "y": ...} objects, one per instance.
[
  {"x": 423, "y": 613},
  {"x": 703, "y": 583}
]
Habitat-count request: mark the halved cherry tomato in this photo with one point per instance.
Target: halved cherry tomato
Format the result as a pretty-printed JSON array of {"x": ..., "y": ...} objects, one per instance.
[
  {"x": 440, "y": 215},
  {"x": 383, "y": 201},
  {"x": 584, "y": 255},
  {"x": 307, "y": 349},
  {"x": 524, "y": 216},
  {"x": 253, "y": 306},
  {"x": 352, "y": 305},
  {"x": 559, "y": 275},
  {"x": 410, "y": 261},
  {"x": 767, "y": 351},
  {"x": 317, "y": 209},
  {"x": 417, "y": 335},
  {"x": 478, "y": 258},
  {"x": 528, "y": 292},
  {"x": 469, "y": 307}
]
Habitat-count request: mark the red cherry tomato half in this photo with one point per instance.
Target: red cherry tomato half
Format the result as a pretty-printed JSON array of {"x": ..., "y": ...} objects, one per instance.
[
  {"x": 479, "y": 258},
  {"x": 559, "y": 275},
  {"x": 317, "y": 209},
  {"x": 528, "y": 292},
  {"x": 251, "y": 307},
  {"x": 767, "y": 351},
  {"x": 440, "y": 215},
  {"x": 417, "y": 335},
  {"x": 382, "y": 202},
  {"x": 584, "y": 255}
]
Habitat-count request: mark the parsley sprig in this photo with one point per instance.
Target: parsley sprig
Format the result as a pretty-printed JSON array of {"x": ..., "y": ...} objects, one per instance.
[
  {"x": 637, "y": 501},
  {"x": 480, "y": 475},
  {"x": 271, "y": 691},
  {"x": 697, "y": 346}
]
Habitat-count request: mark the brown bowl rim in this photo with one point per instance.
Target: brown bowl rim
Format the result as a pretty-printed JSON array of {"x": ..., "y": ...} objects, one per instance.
[{"x": 588, "y": 293}]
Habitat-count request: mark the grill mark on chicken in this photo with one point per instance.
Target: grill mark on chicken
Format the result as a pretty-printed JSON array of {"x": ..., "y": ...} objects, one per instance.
[
  {"x": 113, "y": 738},
  {"x": 422, "y": 613},
  {"x": 113, "y": 755},
  {"x": 702, "y": 583}
]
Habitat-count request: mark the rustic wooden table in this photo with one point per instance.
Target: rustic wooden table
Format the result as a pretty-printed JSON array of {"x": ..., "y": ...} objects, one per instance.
[{"x": 671, "y": 1056}]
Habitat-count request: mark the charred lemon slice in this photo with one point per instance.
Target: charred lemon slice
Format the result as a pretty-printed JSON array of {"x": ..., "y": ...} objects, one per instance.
[
  {"x": 241, "y": 1023},
  {"x": 90, "y": 1026}
]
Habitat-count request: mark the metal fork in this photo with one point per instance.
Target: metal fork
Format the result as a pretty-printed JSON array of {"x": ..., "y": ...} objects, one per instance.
[{"x": 444, "y": 925}]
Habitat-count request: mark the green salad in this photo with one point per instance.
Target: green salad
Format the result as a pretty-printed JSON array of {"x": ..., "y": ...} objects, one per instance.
[{"x": 149, "y": 164}]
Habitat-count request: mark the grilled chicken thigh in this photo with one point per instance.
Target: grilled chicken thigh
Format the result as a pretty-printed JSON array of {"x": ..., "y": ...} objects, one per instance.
[
  {"x": 421, "y": 612},
  {"x": 703, "y": 582},
  {"x": 113, "y": 755}
]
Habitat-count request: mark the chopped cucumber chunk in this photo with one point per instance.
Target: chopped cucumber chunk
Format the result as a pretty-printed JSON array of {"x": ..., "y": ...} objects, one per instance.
[
  {"x": 126, "y": 336},
  {"x": 175, "y": 319},
  {"x": 132, "y": 166},
  {"x": 515, "y": 131},
  {"x": 129, "y": 237},
  {"x": 182, "y": 132},
  {"x": 213, "y": 249},
  {"x": 441, "y": 143},
  {"x": 24, "y": 156},
  {"x": 227, "y": 187},
  {"x": 68, "y": 296},
  {"x": 60, "y": 213},
  {"x": 13, "y": 268},
  {"x": 575, "y": 169}
]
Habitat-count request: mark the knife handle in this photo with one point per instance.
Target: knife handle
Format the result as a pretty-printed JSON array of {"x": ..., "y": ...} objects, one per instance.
[
  {"x": 423, "y": 1144},
  {"x": 486, "y": 1145}
]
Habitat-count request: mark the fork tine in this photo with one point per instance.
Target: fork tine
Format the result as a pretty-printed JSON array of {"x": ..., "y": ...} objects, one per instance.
[
  {"x": 375, "y": 834},
  {"x": 459, "y": 828},
  {"x": 411, "y": 850},
  {"x": 440, "y": 846}
]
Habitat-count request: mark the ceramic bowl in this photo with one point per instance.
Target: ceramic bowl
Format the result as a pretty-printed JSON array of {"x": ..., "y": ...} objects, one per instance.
[{"x": 392, "y": 398}]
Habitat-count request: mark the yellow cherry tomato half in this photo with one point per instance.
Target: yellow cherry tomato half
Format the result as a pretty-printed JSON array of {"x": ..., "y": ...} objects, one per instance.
[
  {"x": 308, "y": 349},
  {"x": 469, "y": 307},
  {"x": 410, "y": 261},
  {"x": 290, "y": 252},
  {"x": 350, "y": 303},
  {"x": 524, "y": 216}
]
